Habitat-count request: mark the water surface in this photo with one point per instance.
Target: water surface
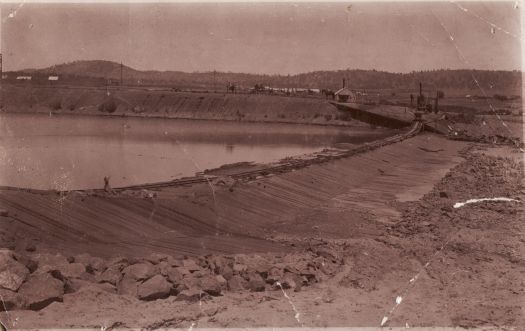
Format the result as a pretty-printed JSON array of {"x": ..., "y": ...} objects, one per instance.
[{"x": 66, "y": 152}]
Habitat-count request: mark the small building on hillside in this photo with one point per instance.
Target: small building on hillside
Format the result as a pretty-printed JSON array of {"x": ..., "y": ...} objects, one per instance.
[
  {"x": 344, "y": 95},
  {"x": 24, "y": 77},
  {"x": 300, "y": 90},
  {"x": 53, "y": 78}
]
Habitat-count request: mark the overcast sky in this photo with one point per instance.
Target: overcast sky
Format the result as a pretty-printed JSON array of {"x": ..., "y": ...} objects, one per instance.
[{"x": 264, "y": 37}]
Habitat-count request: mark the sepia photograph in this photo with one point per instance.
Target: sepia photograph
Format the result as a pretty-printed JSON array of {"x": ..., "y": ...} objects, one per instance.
[{"x": 235, "y": 165}]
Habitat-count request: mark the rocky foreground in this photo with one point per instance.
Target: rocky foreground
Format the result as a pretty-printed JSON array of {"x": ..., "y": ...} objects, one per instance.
[{"x": 35, "y": 280}]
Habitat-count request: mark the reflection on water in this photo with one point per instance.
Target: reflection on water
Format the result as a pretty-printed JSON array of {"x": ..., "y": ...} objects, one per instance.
[
  {"x": 229, "y": 148},
  {"x": 73, "y": 152}
]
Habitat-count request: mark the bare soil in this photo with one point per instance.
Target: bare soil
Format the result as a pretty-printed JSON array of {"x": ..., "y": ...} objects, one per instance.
[{"x": 380, "y": 240}]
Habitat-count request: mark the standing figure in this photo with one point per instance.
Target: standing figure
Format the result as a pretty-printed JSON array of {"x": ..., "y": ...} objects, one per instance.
[
  {"x": 107, "y": 188},
  {"x": 230, "y": 88}
]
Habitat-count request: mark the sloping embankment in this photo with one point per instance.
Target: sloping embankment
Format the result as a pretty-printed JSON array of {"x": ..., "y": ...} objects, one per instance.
[
  {"x": 169, "y": 104},
  {"x": 385, "y": 116},
  {"x": 208, "y": 218}
]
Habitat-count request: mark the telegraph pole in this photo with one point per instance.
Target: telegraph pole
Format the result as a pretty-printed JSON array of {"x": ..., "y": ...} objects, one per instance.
[
  {"x": 121, "y": 69},
  {"x": 214, "y": 85}
]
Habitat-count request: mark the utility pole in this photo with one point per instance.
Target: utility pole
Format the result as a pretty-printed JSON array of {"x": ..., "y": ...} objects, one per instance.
[
  {"x": 1, "y": 72},
  {"x": 214, "y": 86},
  {"x": 121, "y": 69}
]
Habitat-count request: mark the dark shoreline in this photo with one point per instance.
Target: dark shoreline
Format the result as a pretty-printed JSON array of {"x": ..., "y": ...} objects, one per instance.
[{"x": 339, "y": 125}]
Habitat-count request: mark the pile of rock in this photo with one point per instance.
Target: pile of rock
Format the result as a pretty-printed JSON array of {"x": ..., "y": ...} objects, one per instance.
[
  {"x": 21, "y": 286},
  {"x": 35, "y": 280},
  {"x": 478, "y": 176},
  {"x": 495, "y": 139}
]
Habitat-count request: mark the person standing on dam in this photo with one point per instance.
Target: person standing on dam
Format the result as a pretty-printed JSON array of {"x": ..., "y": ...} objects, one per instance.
[{"x": 107, "y": 188}]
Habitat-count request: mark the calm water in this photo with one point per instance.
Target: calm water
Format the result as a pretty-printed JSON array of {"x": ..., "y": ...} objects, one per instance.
[{"x": 72, "y": 152}]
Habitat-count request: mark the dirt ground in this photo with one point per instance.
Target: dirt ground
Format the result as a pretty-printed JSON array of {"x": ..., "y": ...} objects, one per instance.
[
  {"x": 417, "y": 261},
  {"x": 390, "y": 237}
]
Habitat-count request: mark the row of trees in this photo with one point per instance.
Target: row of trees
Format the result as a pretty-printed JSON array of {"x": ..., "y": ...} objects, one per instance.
[
  {"x": 356, "y": 79},
  {"x": 436, "y": 79}
]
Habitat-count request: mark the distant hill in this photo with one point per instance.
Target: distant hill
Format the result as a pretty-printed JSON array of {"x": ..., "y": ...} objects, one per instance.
[
  {"x": 95, "y": 68},
  {"x": 360, "y": 79}
]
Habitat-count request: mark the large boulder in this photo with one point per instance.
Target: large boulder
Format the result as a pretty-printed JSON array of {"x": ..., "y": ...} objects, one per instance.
[
  {"x": 75, "y": 285},
  {"x": 291, "y": 281},
  {"x": 111, "y": 275},
  {"x": 183, "y": 270},
  {"x": 236, "y": 283},
  {"x": 10, "y": 300},
  {"x": 120, "y": 261},
  {"x": 87, "y": 277},
  {"x": 227, "y": 272},
  {"x": 156, "y": 258},
  {"x": 154, "y": 288},
  {"x": 140, "y": 271},
  {"x": 93, "y": 264},
  {"x": 29, "y": 263},
  {"x": 262, "y": 268},
  {"x": 48, "y": 262},
  {"x": 200, "y": 273},
  {"x": 239, "y": 268},
  {"x": 274, "y": 275},
  {"x": 72, "y": 270},
  {"x": 191, "y": 265},
  {"x": 219, "y": 264},
  {"x": 256, "y": 283},
  {"x": 191, "y": 295},
  {"x": 175, "y": 276},
  {"x": 191, "y": 281},
  {"x": 12, "y": 273},
  {"x": 58, "y": 266},
  {"x": 107, "y": 287},
  {"x": 222, "y": 281},
  {"x": 175, "y": 262},
  {"x": 210, "y": 285},
  {"x": 40, "y": 290},
  {"x": 128, "y": 286},
  {"x": 309, "y": 271},
  {"x": 163, "y": 268}
]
